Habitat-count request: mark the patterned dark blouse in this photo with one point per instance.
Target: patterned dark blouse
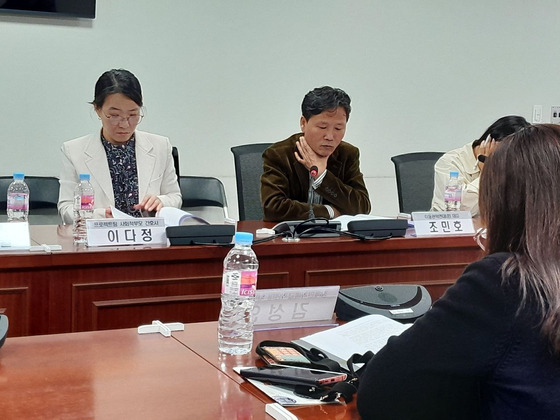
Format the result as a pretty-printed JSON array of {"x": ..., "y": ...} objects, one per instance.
[{"x": 124, "y": 174}]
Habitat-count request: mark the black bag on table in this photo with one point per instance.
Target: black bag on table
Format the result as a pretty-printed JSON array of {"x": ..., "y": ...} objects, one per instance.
[{"x": 289, "y": 354}]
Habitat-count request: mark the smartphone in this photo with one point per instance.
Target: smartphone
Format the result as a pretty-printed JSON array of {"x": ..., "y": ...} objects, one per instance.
[
  {"x": 283, "y": 356},
  {"x": 292, "y": 375}
]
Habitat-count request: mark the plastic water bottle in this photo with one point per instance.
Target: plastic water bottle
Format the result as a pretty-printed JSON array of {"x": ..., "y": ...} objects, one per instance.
[
  {"x": 453, "y": 192},
  {"x": 83, "y": 208},
  {"x": 17, "y": 205},
  {"x": 239, "y": 284}
]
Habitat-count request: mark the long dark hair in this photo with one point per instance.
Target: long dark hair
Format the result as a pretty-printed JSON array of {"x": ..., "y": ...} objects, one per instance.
[
  {"x": 502, "y": 128},
  {"x": 520, "y": 206}
]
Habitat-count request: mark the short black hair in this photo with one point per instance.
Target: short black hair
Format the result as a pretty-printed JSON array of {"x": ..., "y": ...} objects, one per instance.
[
  {"x": 502, "y": 128},
  {"x": 117, "y": 81},
  {"x": 323, "y": 99}
]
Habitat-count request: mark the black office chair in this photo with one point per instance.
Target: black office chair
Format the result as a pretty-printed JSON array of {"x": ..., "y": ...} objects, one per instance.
[
  {"x": 43, "y": 198},
  {"x": 175, "y": 154},
  {"x": 5, "y": 182},
  {"x": 204, "y": 196},
  {"x": 415, "y": 180},
  {"x": 248, "y": 171}
]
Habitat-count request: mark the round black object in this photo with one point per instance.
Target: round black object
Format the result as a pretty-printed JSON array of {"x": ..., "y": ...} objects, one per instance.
[{"x": 402, "y": 302}]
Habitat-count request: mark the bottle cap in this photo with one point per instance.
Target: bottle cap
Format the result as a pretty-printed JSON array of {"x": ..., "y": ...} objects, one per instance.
[
  {"x": 19, "y": 175},
  {"x": 84, "y": 177},
  {"x": 244, "y": 238},
  {"x": 454, "y": 174}
]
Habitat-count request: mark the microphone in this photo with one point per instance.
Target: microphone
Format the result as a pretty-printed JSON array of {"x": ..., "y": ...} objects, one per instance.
[{"x": 313, "y": 171}]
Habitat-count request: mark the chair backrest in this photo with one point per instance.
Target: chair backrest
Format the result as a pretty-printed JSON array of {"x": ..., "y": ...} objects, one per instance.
[
  {"x": 5, "y": 182},
  {"x": 43, "y": 192},
  {"x": 175, "y": 154},
  {"x": 202, "y": 195},
  {"x": 248, "y": 171},
  {"x": 43, "y": 199},
  {"x": 415, "y": 180}
]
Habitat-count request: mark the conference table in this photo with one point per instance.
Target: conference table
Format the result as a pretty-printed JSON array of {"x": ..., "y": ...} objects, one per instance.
[
  {"x": 201, "y": 339},
  {"x": 118, "y": 374},
  {"x": 99, "y": 288}
]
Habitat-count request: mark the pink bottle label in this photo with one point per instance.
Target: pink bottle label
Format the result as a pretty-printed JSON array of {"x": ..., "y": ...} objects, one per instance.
[
  {"x": 241, "y": 283},
  {"x": 17, "y": 201},
  {"x": 86, "y": 202},
  {"x": 452, "y": 195},
  {"x": 248, "y": 283}
]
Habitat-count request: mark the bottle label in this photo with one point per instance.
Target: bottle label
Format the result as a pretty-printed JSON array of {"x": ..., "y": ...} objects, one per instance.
[
  {"x": 86, "y": 202},
  {"x": 17, "y": 201},
  {"x": 452, "y": 194},
  {"x": 241, "y": 283}
]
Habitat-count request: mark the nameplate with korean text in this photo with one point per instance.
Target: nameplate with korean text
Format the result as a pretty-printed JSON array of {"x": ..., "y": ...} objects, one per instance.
[
  {"x": 14, "y": 236},
  {"x": 133, "y": 231},
  {"x": 296, "y": 304},
  {"x": 437, "y": 223}
]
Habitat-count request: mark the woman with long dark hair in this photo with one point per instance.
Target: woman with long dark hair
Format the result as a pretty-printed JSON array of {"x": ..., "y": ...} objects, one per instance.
[
  {"x": 465, "y": 160},
  {"x": 490, "y": 347}
]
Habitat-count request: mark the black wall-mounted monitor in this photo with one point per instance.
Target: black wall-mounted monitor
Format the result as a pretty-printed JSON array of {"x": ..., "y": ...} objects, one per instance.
[{"x": 52, "y": 8}]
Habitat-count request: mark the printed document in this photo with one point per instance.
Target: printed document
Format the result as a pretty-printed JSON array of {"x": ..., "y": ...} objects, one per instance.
[{"x": 369, "y": 332}]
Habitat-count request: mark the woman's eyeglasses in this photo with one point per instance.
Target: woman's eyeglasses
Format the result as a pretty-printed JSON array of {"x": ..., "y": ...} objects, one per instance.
[{"x": 117, "y": 119}]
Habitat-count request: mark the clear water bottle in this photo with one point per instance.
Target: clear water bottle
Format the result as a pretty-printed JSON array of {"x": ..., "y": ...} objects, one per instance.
[
  {"x": 83, "y": 208},
  {"x": 239, "y": 285},
  {"x": 453, "y": 192},
  {"x": 17, "y": 205}
]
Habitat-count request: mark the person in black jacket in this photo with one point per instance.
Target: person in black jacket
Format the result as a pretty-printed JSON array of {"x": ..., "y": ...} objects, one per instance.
[{"x": 490, "y": 347}]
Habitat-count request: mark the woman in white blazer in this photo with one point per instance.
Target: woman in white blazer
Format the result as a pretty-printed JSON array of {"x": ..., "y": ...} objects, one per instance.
[{"x": 129, "y": 169}]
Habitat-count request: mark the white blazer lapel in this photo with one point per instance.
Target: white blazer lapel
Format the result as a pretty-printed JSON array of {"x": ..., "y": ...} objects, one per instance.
[{"x": 96, "y": 161}]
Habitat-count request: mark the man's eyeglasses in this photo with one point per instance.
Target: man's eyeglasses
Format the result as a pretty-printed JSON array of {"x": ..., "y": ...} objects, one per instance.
[
  {"x": 480, "y": 238},
  {"x": 117, "y": 119}
]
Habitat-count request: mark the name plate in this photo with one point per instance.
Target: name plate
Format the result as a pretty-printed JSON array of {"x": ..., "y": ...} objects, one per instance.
[
  {"x": 133, "y": 231},
  {"x": 437, "y": 223},
  {"x": 14, "y": 236},
  {"x": 296, "y": 304}
]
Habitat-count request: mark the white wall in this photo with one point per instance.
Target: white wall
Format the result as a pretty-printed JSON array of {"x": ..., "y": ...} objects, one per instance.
[{"x": 422, "y": 75}]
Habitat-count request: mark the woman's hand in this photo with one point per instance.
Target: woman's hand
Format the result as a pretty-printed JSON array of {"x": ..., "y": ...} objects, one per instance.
[
  {"x": 150, "y": 203},
  {"x": 486, "y": 148}
]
